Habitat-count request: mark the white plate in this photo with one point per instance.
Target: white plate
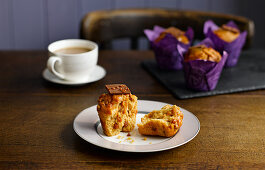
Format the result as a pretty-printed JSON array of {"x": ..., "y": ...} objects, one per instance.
[
  {"x": 98, "y": 73},
  {"x": 88, "y": 127}
]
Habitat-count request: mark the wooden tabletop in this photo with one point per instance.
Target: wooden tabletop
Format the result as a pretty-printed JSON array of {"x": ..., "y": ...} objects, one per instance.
[{"x": 36, "y": 120}]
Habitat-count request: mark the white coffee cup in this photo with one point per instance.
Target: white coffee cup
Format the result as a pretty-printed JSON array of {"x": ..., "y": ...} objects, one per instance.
[{"x": 75, "y": 67}]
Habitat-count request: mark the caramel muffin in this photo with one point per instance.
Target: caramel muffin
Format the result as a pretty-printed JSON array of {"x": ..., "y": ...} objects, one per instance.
[
  {"x": 202, "y": 52},
  {"x": 227, "y": 33},
  {"x": 117, "y": 112},
  {"x": 175, "y": 32},
  {"x": 165, "y": 122}
]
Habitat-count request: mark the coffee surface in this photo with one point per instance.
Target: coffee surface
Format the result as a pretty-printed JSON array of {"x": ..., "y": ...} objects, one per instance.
[{"x": 72, "y": 50}]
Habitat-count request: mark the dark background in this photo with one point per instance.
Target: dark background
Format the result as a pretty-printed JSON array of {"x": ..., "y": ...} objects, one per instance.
[{"x": 33, "y": 24}]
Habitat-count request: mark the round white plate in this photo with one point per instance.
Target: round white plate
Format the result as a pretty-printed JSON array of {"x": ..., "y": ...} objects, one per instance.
[
  {"x": 98, "y": 73},
  {"x": 88, "y": 127}
]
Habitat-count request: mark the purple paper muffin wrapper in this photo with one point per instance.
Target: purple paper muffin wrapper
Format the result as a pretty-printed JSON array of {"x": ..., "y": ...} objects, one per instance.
[
  {"x": 233, "y": 48},
  {"x": 166, "y": 53},
  {"x": 203, "y": 75}
]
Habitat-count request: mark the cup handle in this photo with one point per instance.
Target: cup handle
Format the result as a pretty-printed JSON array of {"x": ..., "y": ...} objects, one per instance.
[{"x": 51, "y": 66}]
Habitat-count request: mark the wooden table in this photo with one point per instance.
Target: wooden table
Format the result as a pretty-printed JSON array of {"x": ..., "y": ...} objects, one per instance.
[{"x": 36, "y": 118}]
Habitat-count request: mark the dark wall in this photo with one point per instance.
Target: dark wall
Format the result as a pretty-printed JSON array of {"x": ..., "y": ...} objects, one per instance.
[{"x": 33, "y": 24}]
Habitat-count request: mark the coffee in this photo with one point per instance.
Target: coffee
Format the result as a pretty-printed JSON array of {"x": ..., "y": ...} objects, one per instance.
[
  {"x": 73, "y": 50},
  {"x": 73, "y": 59}
]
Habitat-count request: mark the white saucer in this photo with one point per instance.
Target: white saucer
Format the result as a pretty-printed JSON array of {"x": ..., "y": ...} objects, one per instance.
[{"x": 98, "y": 73}]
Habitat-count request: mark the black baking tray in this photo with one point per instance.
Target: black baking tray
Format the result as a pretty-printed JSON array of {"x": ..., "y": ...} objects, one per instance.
[{"x": 248, "y": 74}]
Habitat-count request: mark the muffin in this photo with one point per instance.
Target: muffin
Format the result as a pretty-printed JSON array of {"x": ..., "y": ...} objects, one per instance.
[
  {"x": 164, "y": 43},
  {"x": 227, "y": 33},
  {"x": 165, "y": 122},
  {"x": 117, "y": 112},
  {"x": 203, "y": 66},
  {"x": 226, "y": 38},
  {"x": 201, "y": 52},
  {"x": 175, "y": 32}
]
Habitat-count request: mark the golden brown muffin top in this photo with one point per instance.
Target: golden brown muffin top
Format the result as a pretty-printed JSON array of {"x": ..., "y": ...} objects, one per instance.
[
  {"x": 106, "y": 101},
  {"x": 227, "y": 33},
  {"x": 175, "y": 32},
  {"x": 202, "y": 52}
]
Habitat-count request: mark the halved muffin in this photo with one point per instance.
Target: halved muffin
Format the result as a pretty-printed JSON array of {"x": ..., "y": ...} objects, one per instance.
[
  {"x": 165, "y": 122},
  {"x": 117, "y": 113}
]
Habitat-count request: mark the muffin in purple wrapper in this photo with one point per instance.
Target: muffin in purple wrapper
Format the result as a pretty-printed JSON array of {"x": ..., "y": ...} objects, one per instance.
[
  {"x": 164, "y": 43},
  {"x": 202, "y": 66},
  {"x": 226, "y": 38}
]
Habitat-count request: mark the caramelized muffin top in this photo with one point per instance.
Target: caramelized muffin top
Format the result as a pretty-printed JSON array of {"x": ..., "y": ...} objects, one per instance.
[
  {"x": 202, "y": 52},
  {"x": 227, "y": 33},
  {"x": 175, "y": 32}
]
